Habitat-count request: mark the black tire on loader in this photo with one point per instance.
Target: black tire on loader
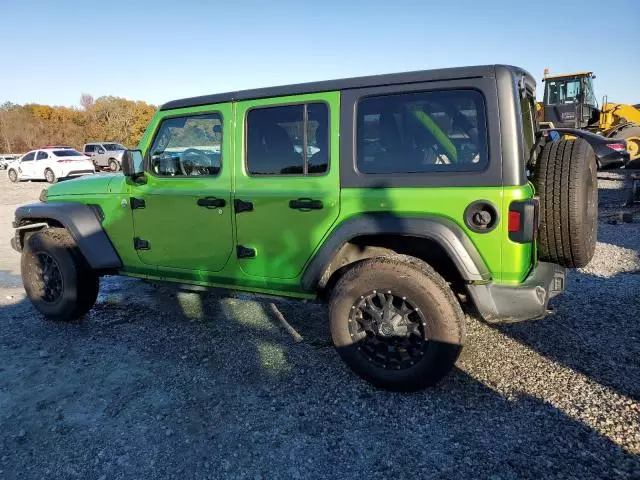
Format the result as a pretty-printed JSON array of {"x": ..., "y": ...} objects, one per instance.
[
  {"x": 633, "y": 131},
  {"x": 566, "y": 181}
]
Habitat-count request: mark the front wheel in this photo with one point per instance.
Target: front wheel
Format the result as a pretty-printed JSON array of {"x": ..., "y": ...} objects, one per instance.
[
  {"x": 396, "y": 323},
  {"x": 113, "y": 165},
  {"x": 13, "y": 175},
  {"x": 56, "y": 277}
]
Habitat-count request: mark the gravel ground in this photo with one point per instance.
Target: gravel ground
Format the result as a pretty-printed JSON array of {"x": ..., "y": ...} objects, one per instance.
[{"x": 160, "y": 383}]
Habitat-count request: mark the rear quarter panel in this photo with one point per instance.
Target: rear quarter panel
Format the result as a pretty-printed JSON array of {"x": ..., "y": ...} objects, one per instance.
[{"x": 508, "y": 262}]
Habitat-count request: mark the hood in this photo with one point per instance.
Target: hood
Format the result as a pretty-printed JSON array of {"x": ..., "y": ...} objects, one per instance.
[{"x": 88, "y": 184}]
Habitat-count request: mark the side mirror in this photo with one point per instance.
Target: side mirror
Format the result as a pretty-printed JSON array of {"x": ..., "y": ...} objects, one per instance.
[{"x": 132, "y": 164}]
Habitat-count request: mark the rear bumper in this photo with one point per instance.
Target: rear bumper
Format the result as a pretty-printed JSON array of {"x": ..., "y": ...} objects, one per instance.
[
  {"x": 77, "y": 173},
  {"x": 525, "y": 301}
]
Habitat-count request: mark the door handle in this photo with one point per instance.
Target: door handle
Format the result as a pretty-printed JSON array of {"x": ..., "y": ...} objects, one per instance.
[
  {"x": 211, "y": 202},
  {"x": 305, "y": 204}
]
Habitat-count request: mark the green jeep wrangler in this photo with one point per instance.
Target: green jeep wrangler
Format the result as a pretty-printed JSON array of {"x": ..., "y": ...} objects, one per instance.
[{"x": 398, "y": 199}]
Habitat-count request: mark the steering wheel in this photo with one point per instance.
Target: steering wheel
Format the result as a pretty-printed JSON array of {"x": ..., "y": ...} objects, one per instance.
[{"x": 194, "y": 166}]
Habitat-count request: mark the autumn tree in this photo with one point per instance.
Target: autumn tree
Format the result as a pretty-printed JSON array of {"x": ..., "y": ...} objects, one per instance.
[{"x": 24, "y": 127}]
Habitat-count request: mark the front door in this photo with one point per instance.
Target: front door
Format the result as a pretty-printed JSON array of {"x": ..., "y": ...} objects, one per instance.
[
  {"x": 182, "y": 214},
  {"x": 26, "y": 166},
  {"x": 287, "y": 184}
]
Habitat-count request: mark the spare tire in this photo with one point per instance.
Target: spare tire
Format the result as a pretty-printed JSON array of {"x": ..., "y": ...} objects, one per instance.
[{"x": 566, "y": 181}]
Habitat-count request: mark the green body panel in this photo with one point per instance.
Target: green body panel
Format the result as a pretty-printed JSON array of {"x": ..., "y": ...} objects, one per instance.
[
  {"x": 284, "y": 238},
  {"x": 182, "y": 234},
  {"x": 108, "y": 192},
  {"x": 507, "y": 261},
  {"x": 197, "y": 245}
]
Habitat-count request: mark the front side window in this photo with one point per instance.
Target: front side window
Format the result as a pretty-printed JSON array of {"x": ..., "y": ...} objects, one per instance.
[
  {"x": 89, "y": 148},
  {"x": 42, "y": 156},
  {"x": 188, "y": 146},
  {"x": 422, "y": 132},
  {"x": 288, "y": 140},
  {"x": 29, "y": 157},
  {"x": 563, "y": 91}
]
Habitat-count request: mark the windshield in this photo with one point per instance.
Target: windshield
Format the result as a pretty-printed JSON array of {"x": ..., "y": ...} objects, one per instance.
[
  {"x": 67, "y": 153},
  {"x": 113, "y": 146},
  {"x": 563, "y": 91}
]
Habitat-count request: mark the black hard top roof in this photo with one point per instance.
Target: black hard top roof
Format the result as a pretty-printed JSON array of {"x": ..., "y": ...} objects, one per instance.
[{"x": 348, "y": 83}]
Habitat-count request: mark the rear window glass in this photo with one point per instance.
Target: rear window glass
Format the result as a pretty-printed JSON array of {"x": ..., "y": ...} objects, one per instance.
[
  {"x": 527, "y": 109},
  {"x": 422, "y": 132},
  {"x": 67, "y": 153},
  {"x": 113, "y": 146}
]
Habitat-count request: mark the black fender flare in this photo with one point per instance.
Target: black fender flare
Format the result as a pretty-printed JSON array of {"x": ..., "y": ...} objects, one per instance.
[
  {"x": 445, "y": 232},
  {"x": 82, "y": 222}
]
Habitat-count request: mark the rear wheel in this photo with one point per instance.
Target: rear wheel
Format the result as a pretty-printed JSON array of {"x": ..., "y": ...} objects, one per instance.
[
  {"x": 397, "y": 324},
  {"x": 56, "y": 277},
  {"x": 49, "y": 176},
  {"x": 566, "y": 182},
  {"x": 13, "y": 175},
  {"x": 113, "y": 165}
]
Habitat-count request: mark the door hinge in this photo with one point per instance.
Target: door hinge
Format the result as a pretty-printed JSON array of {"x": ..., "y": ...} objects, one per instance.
[
  {"x": 140, "y": 244},
  {"x": 242, "y": 206},
  {"x": 137, "y": 203},
  {"x": 245, "y": 252}
]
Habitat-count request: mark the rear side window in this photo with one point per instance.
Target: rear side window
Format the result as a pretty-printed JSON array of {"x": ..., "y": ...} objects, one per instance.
[
  {"x": 188, "y": 146},
  {"x": 288, "y": 140},
  {"x": 422, "y": 132},
  {"x": 42, "y": 156}
]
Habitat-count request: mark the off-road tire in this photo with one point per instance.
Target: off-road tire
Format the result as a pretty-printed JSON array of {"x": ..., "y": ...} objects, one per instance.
[
  {"x": 79, "y": 283},
  {"x": 49, "y": 176},
  {"x": 424, "y": 287},
  {"x": 566, "y": 182},
  {"x": 13, "y": 175},
  {"x": 114, "y": 166}
]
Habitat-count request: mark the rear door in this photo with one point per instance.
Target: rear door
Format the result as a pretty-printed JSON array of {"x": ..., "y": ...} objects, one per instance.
[
  {"x": 89, "y": 150},
  {"x": 287, "y": 181},
  {"x": 100, "y": 157},
  {"x": 40, "y": 164}
]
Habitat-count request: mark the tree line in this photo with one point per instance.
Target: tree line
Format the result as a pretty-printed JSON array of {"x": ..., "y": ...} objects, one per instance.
[{"x": 25, "y": 127}]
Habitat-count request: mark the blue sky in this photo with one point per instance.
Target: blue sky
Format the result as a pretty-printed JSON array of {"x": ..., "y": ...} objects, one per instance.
[{"x": 51, "y": 52}]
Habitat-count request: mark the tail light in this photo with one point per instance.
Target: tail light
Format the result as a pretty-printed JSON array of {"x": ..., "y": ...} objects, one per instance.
[
  {"x": 515, "y": 221},
  {"x": 524, "y": 220},
  {"x": 618, "y": 147}
]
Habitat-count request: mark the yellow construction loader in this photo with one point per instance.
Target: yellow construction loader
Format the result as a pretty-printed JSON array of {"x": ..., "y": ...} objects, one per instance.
[{"x": 570, "y": 102}]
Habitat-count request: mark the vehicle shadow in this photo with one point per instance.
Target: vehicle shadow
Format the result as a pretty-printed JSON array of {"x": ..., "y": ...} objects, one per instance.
[
  {"x": 598, "y": 337},
  {"x": 187, "y": 380}
]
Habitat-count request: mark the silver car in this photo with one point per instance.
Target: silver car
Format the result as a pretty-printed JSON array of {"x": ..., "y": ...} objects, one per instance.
[
  {"x": 5, "y": 160},
  {"x": 105, "y": 154}
]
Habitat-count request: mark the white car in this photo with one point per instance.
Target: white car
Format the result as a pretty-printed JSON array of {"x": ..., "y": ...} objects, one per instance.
[{"x": 50, "y": 164}]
